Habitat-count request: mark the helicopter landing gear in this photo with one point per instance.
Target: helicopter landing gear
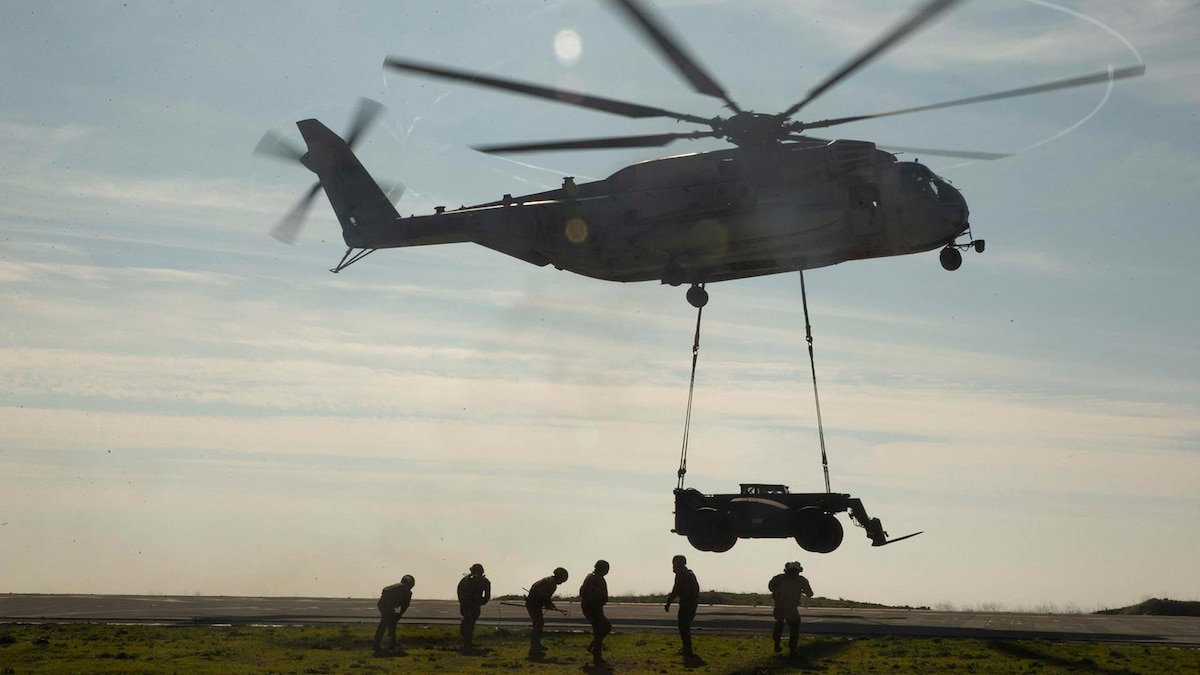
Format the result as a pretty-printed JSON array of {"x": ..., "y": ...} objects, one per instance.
[
  {"x": 951, "y": 258},
  {"x": 697, "y": 296}
]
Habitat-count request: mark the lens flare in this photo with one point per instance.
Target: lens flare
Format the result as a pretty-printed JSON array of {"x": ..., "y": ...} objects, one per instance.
[{"x": 568, "y": 46}]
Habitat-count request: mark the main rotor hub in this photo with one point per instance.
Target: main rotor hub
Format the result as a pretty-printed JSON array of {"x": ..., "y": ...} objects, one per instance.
[{"x": 750, "y": 129}]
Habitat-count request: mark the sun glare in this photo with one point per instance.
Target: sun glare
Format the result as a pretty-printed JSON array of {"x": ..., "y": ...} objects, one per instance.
[{"x": 568, "y": 46}]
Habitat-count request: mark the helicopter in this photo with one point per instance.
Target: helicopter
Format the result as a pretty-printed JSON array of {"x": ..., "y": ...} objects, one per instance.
[{"x": 779, "y": 200}]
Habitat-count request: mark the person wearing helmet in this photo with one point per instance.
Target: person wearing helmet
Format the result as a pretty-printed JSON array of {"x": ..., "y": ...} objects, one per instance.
[
  {"x": 593, "y": 595},
  {"x": 788, "y": 589},
  {"x": 687, "y": 590},
  {"x": 474, "y": 591},
  {"x": 391, "y": 598},
  {"x": 539, "y": 599}
]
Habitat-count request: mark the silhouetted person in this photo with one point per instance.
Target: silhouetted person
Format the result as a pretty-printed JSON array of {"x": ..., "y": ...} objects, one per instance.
[
  {"x": 537, "y": 602},
  {"x": 687, "y": 590},
  {"x": 474, "y": 591},
  {"x": 788, "y": 589},
  {"x": 391, "y": 598},
  {"x": 593, "y": 595}
]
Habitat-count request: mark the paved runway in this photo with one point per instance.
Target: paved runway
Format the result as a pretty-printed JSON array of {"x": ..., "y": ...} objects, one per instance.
[{"x": 195, "y": 610}]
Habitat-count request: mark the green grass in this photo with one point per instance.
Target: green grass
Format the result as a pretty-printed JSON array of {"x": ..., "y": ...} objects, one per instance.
[{"x": 90, "y": 648}]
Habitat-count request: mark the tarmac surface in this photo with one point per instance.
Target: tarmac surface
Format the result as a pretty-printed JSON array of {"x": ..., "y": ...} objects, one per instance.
[{"x": 221, "y": 610}]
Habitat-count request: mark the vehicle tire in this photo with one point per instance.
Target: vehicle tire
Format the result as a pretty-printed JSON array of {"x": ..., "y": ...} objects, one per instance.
[
  {"x": 710, "y": 531},
  {"x": 725, "y": 541},
  {"x": 817, "y": 531}
]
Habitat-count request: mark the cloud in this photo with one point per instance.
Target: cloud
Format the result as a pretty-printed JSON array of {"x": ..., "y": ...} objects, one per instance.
[
  {"x": 29, "y": 272},
  {"x": 986, "y": 468},
  {"x": 28, "y": 147}
]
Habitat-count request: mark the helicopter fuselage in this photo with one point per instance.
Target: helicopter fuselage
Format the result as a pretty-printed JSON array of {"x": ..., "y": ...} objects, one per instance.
[{"x": 709, "y": 216}]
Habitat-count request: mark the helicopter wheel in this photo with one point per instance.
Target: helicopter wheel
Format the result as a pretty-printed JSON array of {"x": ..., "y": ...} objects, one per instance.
[
  {"x": 697, "y": 296},
  {"x": 951, "y": 259}
]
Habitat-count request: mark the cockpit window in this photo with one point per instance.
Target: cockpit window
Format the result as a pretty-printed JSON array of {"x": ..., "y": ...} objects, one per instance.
[
  {"x": 758, "y": 489},
  {"x": 920, "y": 179}
]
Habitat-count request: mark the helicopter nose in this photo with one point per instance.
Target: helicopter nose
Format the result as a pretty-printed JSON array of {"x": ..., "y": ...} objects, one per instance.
[{"x": 955, "y": 203}]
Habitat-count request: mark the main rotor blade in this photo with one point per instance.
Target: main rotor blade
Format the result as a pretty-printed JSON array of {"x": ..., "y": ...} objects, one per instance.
[
  {"x": 960, "y": 154},
  {"x": 919, "y": 18},
  {"x": 273, "y": 145},
  {"x": 289, "y": 227},
  {"x": 368, "y": 110},
  {"x": 649, "y": 141},
  {"x": 560, "y": 95},
  {"x": 1105, "y": 76},
  {"x": 684, "y": 63}
]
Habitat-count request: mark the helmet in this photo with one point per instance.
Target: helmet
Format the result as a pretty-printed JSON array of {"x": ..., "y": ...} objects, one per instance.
[
  {"x": 476, "y": 569},
  {"x": 408, "y": 580},
  {"x": 560, "y": 574},
  {"x": 793, "y": 566}
]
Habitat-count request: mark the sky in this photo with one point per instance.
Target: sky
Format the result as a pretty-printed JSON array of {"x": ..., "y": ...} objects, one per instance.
[{"x": 188, "y": 406}]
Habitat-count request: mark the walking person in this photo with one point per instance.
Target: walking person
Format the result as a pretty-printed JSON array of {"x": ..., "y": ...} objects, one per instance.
[
  {"x": 593, "y": 595},
  {"x": 537, "y": 602},
  {"x": 390, "y": 598},
  {"x": 474, "y": 591},
  {"x": 687, "y": 591},
  {"x": 788, "y": 590}
]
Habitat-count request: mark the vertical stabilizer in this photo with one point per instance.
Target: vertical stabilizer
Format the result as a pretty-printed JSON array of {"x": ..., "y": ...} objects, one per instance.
[{"x": 359, "y": 203}]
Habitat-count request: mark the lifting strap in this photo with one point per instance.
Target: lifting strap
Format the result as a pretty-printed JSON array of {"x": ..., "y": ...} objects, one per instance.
[
  {"x": 687, "y": 420},
  {"x": 813, "y": 363}
]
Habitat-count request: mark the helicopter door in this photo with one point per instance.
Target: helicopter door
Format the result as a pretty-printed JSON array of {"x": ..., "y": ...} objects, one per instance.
[{"x": 863, "y": 211}]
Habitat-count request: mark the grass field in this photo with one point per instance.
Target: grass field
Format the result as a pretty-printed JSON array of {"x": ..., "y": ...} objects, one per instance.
[{"x": 93, "y": 648}]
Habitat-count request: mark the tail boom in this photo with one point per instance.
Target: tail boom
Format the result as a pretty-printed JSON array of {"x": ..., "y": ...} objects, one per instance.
[{"x": 364, "y": 211}]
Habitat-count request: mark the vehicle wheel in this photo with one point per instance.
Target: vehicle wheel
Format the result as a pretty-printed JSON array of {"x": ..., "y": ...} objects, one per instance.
[
  {"x": 697, "y": 297},
  {"x": 710, "y": 531},
  {"x": 951, "y": 259},
  {"x": 817, "y": 531},
  {"x": 725, "y": 543}
]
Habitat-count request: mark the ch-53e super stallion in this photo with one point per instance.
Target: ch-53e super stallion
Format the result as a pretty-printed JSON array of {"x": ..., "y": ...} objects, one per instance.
[{"x": 779, "y": 201}]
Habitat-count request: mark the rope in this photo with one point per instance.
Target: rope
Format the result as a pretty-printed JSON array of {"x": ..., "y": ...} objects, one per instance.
[
  {"x": 813, "y": 363},
  {"x": 687, "y": 421}
]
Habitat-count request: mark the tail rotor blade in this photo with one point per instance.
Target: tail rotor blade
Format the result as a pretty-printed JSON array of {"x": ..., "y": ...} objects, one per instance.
[
  {"x": 288, "y": 228},
  {"x": 275, "y": 146},
  {"x": 368, "y": 112},
  {"x": 394, "y": 190}
]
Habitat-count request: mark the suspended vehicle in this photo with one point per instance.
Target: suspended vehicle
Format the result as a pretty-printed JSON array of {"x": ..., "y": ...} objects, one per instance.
[
  {"x": 714, "y": 522},
  {"x": 770, "y": 511},
  {"x": 780, "y": 200}
]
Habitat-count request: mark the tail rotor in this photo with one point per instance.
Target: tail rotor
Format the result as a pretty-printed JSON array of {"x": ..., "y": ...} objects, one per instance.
[{"x": 275, "y": 146}]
